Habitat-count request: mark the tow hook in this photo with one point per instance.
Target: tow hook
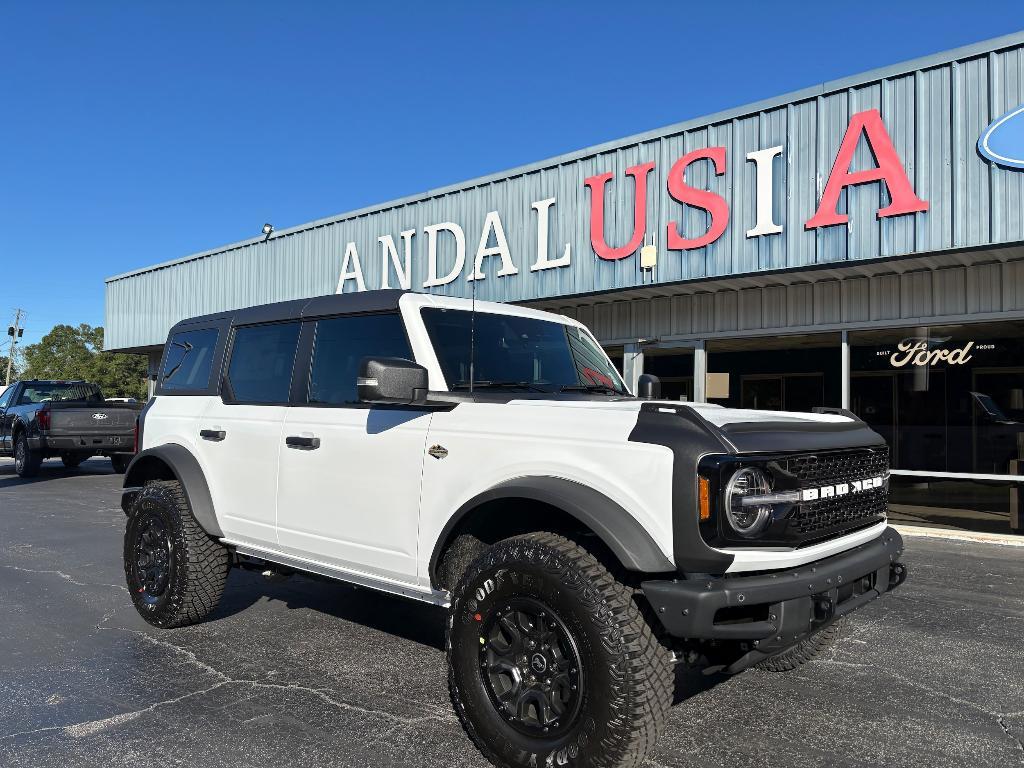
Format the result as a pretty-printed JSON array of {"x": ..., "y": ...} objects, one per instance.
[
  {"x": 897, "y": 575},
  {"x": 824, "y": 609}
]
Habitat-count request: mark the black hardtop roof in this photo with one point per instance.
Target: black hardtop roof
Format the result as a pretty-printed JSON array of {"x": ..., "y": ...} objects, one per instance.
[{"x": 301, "y": 309}]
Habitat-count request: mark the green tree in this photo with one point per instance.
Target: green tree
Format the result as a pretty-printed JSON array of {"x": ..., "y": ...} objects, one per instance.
[{"x": 75, "y": 352}]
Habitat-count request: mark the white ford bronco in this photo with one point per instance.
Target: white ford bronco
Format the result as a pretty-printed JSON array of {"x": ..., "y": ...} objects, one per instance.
[{"x": 489, "y": 459}]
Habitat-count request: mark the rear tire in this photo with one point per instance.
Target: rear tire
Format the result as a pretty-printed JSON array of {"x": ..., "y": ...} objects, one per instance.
[
  {"x": 175, "y": 571},
  {"x": 26, "y": 461},
  {"x": 120, "y": 462},
  {"x": 72, "y": 460},
  {"x": 806, "y": 650},
  {"x": 592, "y": 686}
]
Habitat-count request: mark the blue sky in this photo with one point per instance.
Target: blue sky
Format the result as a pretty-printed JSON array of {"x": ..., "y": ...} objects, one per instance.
[{"x": 137, "y": 132}]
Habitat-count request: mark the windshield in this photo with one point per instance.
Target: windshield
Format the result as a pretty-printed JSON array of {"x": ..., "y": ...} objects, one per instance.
[
  {"x": 519, "y": 353},
  {"x": 60, "y": 393}
]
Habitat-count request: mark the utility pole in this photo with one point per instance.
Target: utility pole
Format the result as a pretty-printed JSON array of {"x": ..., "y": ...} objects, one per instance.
[{"x": 15, "y": 331}]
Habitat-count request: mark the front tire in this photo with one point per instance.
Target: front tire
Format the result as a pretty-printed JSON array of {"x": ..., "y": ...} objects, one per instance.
[
  {"x": 175, "y": 571},
  {"x": 26, "y": 461},
  {"x": 806, "y": 650},
  {"x": 550, "y": 660}
]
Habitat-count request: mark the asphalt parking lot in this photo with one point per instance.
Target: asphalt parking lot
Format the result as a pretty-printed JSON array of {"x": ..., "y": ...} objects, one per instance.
[{"x": 308, "y": 673}]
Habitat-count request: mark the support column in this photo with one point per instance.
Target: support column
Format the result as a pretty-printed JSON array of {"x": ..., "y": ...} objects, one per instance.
[
  {"x": 152, "y": 370},
  {"x": 700, "y": 373},
  {"x": 632, "y": 365},
  {"x": 844, "y": 350}
]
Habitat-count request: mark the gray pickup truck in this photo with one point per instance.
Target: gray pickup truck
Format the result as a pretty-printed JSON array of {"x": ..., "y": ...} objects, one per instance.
[{"x": 70, "y": 419}]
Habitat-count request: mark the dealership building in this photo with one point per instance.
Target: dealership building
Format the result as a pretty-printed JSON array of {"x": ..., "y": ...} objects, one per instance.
[{"x": 855, "y": 244}]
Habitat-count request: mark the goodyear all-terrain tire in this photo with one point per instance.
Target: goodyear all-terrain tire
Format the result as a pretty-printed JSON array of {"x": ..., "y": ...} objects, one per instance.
[
  {"x": 806, "y": 650},
  {"x": 26, "y": 460},
  {"x": 175, "y": 571},
  {"x": 550, "y": 661}
]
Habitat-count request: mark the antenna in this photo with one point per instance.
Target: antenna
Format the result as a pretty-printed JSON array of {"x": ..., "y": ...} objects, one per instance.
[{"x": 472, "y": 336}]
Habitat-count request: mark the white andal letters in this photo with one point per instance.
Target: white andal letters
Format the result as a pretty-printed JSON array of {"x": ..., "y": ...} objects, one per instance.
[
  {"x": 351, "y": 269},
  {"x": 389, "y": 253},
  {"x": 543, "y": 208},
  {"x": 500, "y": 248},
  {"x": 460, "y": 253}
]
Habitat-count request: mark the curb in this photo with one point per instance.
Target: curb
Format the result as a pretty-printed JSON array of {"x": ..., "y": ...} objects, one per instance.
[{"x": 1005, "y": 539}]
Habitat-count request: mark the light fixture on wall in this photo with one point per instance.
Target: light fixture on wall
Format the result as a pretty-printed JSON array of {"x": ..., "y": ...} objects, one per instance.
[
  {"x": 649, "y": 254},
  {"x": 268, "y": 230}
]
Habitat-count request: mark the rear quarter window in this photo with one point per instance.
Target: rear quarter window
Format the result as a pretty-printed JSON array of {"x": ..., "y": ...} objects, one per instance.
[{"x": 188, "y": 360}]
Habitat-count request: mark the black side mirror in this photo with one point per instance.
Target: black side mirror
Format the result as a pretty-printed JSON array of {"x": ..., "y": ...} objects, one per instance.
[
  {"x": 648, "y": 387},
  {"x": 392, "y": 380}
]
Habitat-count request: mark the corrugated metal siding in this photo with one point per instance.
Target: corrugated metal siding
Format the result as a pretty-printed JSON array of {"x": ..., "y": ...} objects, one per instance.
[
  {"x": 930, "y": 296},
  {"x": 933, "y": 109}
]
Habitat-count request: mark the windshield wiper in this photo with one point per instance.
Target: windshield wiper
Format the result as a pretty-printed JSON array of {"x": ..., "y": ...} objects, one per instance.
[
  {"x": 500, "y": 385},
  {"x": 589, "y": 388}
]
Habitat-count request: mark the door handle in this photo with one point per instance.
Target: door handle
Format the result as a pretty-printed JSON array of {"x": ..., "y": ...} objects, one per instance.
[
  {"x": 216, "y": 435},
  {"x": 302, "y": 443}
]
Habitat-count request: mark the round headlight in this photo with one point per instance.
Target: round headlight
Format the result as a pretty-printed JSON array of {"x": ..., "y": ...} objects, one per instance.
[{"x": 746, "y": 518}]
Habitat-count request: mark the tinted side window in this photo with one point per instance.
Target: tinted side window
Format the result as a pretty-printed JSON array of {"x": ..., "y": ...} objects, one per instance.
[
  {"x": 260, "y": 370},
  {"x": 341, "y": 344},
  {"x": 7, "y": 395},
  {"x": 188, "y": 359}
]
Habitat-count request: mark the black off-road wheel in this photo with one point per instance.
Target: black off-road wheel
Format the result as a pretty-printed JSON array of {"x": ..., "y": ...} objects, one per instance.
[
  {"x": 26, "y": 461},
  {"x": 550, "y": 661},
  {"x": 175, "y": 571},
  {"x": 806, "y": 650},
  {"x": 72, "y": 460},
  {"x": 121, "y": 462}
]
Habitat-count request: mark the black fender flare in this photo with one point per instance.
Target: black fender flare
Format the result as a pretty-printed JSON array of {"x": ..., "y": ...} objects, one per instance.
[
  {"x": 186, "y": 470},
  {"x": 622, "y": 533}
]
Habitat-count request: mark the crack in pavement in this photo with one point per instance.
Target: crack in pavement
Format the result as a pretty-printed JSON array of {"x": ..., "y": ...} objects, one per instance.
[
  {"x": 1001, "y": 719},
  {"x": 67, "y": 577},
  {"x": 90, "y": 727}
]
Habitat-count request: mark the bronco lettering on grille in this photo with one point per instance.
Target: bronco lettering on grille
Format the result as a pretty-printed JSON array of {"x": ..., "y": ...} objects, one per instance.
[{"x": 842, "y": 489}]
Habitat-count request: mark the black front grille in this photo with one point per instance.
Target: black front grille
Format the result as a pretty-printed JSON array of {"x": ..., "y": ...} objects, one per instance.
[{"x": 824, "y": 517}]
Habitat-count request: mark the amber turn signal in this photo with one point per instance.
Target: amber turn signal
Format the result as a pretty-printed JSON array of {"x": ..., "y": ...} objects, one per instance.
[{"x": 704, "y": 497}]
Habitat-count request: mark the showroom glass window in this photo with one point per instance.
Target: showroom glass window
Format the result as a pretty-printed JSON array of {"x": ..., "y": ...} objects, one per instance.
[
  {"x": 797, "y": 372},
  {"x": 260, "y": 370},
  {"x": 340, "y": 345},
  {"x": 188, "y": 360},
  {"x": 947, "y": 399}
]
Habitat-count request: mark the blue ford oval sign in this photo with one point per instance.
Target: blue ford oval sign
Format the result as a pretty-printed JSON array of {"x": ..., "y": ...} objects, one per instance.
[{"x": 1003, "y": 141}]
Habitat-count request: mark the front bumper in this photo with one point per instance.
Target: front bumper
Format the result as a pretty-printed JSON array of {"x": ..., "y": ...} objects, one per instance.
[{"x": 774, "y": 610}]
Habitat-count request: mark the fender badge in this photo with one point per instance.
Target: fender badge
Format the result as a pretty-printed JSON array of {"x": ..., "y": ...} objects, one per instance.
[{"x": 438, "y": 451}]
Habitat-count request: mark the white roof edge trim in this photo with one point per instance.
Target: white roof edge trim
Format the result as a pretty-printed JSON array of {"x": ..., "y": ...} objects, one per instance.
[{"x": 485, "y": 307}]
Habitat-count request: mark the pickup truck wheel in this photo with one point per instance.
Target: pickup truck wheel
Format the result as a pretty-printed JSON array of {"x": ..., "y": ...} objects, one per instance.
[
  {"x": 26, "y": 461},
  {"x": 551, "y": 662},
  {"x": 72, "y": 460},
  {"x": 806, "y": 650},
  {"x": 120, "y": 462},
  {"x": 175, "y": 571}
]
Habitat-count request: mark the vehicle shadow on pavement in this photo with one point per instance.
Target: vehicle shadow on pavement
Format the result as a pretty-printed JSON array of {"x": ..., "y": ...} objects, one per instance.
[
  {"x": 51, "y": 470},
  {"x": 415, "y": 621}
]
